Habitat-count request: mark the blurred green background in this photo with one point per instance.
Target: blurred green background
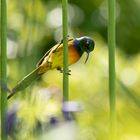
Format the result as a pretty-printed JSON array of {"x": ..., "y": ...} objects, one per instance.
[{"x": 34, "y": 26}]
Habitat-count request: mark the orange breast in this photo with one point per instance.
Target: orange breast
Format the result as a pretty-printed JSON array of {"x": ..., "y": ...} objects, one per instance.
[{"x": 73, "y": 55}]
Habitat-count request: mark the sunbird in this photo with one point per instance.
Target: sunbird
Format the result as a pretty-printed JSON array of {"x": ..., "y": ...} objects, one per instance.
[{"x": 53, "y": 59}]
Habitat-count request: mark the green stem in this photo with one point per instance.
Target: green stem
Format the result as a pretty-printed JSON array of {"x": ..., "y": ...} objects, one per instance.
[
  {"x": 65, "y": 53},
  {"x": 111, "y": 43},
  {"x": 3, "y": 68}
]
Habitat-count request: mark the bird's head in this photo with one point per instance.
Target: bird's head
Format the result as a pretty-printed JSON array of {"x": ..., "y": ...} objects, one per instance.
[{"x": 86, "y": 44}]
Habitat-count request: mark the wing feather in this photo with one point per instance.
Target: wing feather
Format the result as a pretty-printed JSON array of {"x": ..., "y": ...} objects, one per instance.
[{"x": 49, "y": 52}]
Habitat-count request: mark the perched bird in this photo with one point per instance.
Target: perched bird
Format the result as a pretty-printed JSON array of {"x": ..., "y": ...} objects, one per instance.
[{"x": 53, "y": 59}]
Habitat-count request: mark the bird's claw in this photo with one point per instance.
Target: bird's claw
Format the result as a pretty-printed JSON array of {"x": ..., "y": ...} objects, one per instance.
[
  {"x": 62, "y": 71},
  {"x": 68, "y": 72}
]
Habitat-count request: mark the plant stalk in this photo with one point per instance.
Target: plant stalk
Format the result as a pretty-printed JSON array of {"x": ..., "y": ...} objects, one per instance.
[
  {"x": 112, "y": 79},
  {"x": 3, "y": 68},
  {"x": 65, "y": 52}
]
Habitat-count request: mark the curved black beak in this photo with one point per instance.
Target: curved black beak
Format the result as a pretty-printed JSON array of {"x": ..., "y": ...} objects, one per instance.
[{"x": 87, "y": 52}]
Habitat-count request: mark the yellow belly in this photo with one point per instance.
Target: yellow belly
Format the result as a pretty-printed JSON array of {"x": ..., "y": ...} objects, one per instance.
[{"x": 56, "y": 58}]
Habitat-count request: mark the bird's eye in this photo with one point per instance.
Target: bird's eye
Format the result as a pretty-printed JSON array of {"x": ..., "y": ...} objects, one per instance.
[{"x": 87, "y": 44}]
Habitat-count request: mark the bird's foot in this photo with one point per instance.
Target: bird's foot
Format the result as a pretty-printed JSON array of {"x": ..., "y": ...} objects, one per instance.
[{"x": 62, "y": 71}]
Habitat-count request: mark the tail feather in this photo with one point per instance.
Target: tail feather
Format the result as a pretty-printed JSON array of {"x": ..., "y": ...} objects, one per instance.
[{"x": 25, "y": 82}]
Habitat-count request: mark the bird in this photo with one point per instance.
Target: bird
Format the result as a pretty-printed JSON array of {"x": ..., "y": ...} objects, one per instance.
[{"x": 53, "y": 59}]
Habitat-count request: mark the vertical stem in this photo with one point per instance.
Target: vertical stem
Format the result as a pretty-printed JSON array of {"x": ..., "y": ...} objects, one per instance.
[
  {"x": 111, "y": 43},
  {"x": 3, "y": 68},
  {"x": 65, "y": 53}
]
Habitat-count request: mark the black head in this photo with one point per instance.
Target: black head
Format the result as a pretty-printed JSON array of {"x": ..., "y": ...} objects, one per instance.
[{"x": 86, "y": 44}]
